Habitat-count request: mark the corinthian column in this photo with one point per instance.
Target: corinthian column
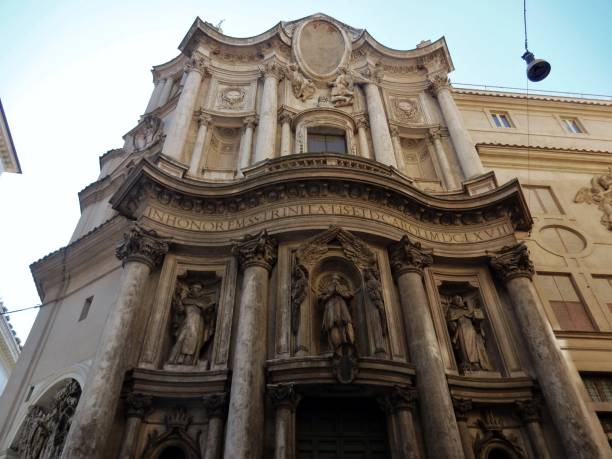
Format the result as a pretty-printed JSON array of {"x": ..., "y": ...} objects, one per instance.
[
  {"x": 397, "y": 147},
  {"x": 567, "y": 408},
  {"x": 140, "y": 251},
  {"x": 462, "y": 408},
  {"x": 137, "y": 406},
  {"x": 529, "y": 411},
  {"x": 440, "y": 427},
  {"x": 464, "y": 147},
  {"x": 245, "y": 424},
  {"x": 196, "y": 68},
  {"x": 198, "y": 147},
  {"x": 285, "y": 400},
  {"x": 164, "y": 96},
  {"x": 216, "y": 410},
  {"x": 399, "y": 406},
  {"x": 266, "y": 132},
  {"x": 362, "y": 135},
  {"x": 285, "y": 118},
  {"x": 383, "y": 147},
  {"x": 448, "y": 177}
]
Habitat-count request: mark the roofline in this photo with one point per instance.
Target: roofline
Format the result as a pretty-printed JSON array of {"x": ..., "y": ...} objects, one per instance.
[{"x": 10, "y": 139}]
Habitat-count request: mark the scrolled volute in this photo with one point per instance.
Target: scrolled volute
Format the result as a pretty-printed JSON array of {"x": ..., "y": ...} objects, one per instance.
[
  {"x": 138, "y": 405},
  {"x": 407, "y": 256},
  {"x": 215, "y": 404},
  {"x": 142, "y": 245},
  {"x": 258, "y": 250},
  {"x": 512, "y": 261},
  {"x": 284, "y": 395}
]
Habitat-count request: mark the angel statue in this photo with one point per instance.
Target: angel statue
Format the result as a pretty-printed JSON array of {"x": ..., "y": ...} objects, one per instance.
[
  {"x": 599, "y": 193},
  {"x": 303, "y": 88},
  {"x": 337, "y": 322},
  {"x": 467, "y": 334},
  {"x": 197, "y": 326},
  {"x": 342, "y": 88}
]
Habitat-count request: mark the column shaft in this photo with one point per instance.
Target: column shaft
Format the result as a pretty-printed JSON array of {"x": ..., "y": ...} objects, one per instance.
[
  {"x": 246, "y": 142},
  {"x": 440, "y": 427},
  {"x": 266, "y": 131},
  {"x": 183, "y": 113},
  {"x": 283, "y": 449},
  {"x": 397, "y": 147},
  {"x": 536, "y": 436},
  {"x": 406, "y": 436},
  {"x": 152, "y": 105},
  {"x": 464, "y": 146},
  {"x": 447, "y": 174},
  {"x": 198, "y": 147},
  {"x": 285, "y": 138},
  {"x": 132, "y": 426},
  {"x": 466, "y": 438},
  {"x": 164, "y": 96},
  {"x": 214, "y": 438},
  {"x": 383, "y": 147}
]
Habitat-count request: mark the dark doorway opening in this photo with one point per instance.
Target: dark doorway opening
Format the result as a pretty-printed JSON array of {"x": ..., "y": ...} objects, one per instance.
[{"x": 341, "y": 428}]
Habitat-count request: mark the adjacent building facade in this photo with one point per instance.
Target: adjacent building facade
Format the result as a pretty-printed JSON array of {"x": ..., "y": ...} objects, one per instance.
[
  {"x": 9, "y": 348},
  {"x": 312, "y": 245},
  {"x": 9, "y": 162}
]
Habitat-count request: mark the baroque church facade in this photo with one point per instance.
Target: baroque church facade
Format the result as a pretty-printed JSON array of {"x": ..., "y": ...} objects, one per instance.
[{"x": 313, "y": 245}]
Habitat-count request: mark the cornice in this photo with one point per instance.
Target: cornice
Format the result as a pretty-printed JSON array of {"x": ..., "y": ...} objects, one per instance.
[{"x": 524, "y": 96}]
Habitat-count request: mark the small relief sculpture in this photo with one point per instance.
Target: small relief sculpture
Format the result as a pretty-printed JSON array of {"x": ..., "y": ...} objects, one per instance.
[
  {"x": 599, "y": 193},
  {"x": 342, "y": 88},
  {"x": 337, "y": 322},
  {"x": 467, "y": 335},
  {"x": 303, "y": 88},
  {"x": 194, "y": 323},
  {"x": 406, "y": 109},
  {"x": 44, "y": 432},
  {"x": 148, "y": 133},
  {"x": 232, "y": 98}
]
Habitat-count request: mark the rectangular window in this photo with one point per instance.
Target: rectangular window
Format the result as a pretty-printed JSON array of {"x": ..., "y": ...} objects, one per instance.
[
  {"x": 603, "y": 290},
  {"x": 570, "y": 311},
  {"x": 85, "y": 310},
  {"x": 326, "y": 143},
  {"x": 599, "y": 387},
  {"x": 572, "y": 125},
  {"x": 501, "y": 120},
  {"x": 541, "y": 200}
]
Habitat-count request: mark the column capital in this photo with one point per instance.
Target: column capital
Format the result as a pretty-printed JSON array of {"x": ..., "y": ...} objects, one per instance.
[
  {"x": 285, "y": 116},
  {"x": 284, "y": 395},
  {"x": 258, "y": 250},
  {"x": 138, "y": 405},
  {"x": 394, "y": 131},
  {"x": 273, "y": 68},
  {"x": 198, "y": 63},
  {"x": 512, "y": 261},
  {"x": 203, "y": 118},
  {"x": 399, "y": 399},
  {"x": 406, "y": 256},
  {"x": 462, "y": 407},
  {"x": 216, "y": 404},
  {"x": 438, "y": 82},
  {"x": 373, "y": 74},
  {"x": 362, "y": 121},
  {"x": 250, "y": 121},
  {"x": 142, "y": 245},
  {"x": 434, "y": 133},
  {"x": 529, "y": 410}
]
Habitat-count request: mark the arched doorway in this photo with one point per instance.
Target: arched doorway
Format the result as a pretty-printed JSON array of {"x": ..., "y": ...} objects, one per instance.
[{"x": 341, "y": 428}]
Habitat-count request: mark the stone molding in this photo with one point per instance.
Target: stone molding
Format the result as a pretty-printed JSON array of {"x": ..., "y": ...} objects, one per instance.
[
  {"x": 438, "y": 82},
  {"x": 258, "y": 250},
  {"x": 216, "y": 404},
  {"x": 409, "y": 257},
  {"x": 399, "y": 399},
  {"x": 462, "y": 408},
  {"x": 512, "y": 261},
  {"x": 138, "y": 405},
  {"x": 530, "y": 410},
  {"x": 142, "y": 245},
  {"x": 284, "y": 395}
]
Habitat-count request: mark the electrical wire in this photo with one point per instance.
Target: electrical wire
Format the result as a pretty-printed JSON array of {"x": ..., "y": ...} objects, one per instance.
[
  {"x": 525, "y": 22},
  {"x": 5, "y": 313}
]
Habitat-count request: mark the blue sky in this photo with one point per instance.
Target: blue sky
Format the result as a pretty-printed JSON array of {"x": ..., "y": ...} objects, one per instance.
[{"x": 75, "y": 76}]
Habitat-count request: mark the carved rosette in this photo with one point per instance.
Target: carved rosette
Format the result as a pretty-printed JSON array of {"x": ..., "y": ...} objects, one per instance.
[
  {"x": 529, "y": 410},
  {"x": 284, "y": 395},
  {"x": 143, "y": 246},
  {"x": 138, "y": 405},
  {"x": 258, "y": 250},
  {"x": 438, "y": 82},
  {"x": 400, "y": 399},
  {"x": 409, "y": 257},
  {"x": 215, "y": 404},
  {"x": 512, "y": 261},
  {"x": 462, "y": 408}
]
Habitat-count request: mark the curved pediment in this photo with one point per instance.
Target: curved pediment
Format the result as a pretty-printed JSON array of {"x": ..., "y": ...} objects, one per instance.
[{"x": 312, "y": 191}]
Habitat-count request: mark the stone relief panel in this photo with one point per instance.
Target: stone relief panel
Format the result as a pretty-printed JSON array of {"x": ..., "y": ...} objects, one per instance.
[
  {"x": 496, "y": 439},
  {"x": 599, "y": 194},
  {"x": 337, "y": 304},
  {"x": 193, "y": 321},
  {"x": 171, "y": 433},
  {"x": 342, "y": 89},
  {"x": 149, "y": 132},
  {"x": 45, "y": 429},
  {"x": 406, "y": 109},
  {"x": 232, "y": 97},
  {"x": 303, "y": 88}
]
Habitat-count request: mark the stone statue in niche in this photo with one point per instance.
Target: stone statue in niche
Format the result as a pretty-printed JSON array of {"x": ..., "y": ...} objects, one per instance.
[
  {"x": 599, "y": 193},
  {"x": 464, "y": 320},
  {"x": 342, "y": 88},
  {"x": 195, "y": 311},
  {"x": 337, "y": 322},
  {"x": 374, "y": 289},
  {"x": 303, "y": 88},
  {"x": 44, "y": 432}
]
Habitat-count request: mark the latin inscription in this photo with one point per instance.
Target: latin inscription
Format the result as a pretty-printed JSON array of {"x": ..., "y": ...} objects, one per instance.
[{"x": 245, "y": 220}]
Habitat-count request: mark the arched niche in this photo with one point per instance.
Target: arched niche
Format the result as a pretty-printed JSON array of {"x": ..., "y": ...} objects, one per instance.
[
  {"x": 43, "y": 432},
  {"x": 321, "y": 120}
]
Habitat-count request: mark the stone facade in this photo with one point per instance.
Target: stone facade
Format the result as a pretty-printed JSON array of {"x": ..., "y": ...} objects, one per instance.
[{"x": 300, "y": 253}]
